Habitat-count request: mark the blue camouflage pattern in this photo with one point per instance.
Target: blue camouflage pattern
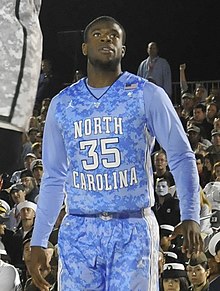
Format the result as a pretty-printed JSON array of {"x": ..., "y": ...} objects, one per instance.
[
  {"x": 105, "y": 140},
  {"x": 118, "y": 254}
]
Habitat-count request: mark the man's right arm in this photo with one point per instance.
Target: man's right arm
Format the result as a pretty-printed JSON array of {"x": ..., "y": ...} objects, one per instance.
[{"x": 51, "y": 190}]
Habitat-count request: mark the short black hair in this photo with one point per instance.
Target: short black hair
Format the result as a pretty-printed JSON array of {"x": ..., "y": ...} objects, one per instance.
[{"x": 104, "y": 18}]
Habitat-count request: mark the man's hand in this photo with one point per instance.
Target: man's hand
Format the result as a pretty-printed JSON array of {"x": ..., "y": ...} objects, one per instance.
[
  {"x": 192, "y": 239},
  {"x": 39, "y": 268}
]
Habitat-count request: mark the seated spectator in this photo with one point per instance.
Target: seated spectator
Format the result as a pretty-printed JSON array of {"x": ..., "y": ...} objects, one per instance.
[
  {"x": 167, "y": 209},
  {"x": 33, "y": 122},
  {"x": 17, "y": 194},
  {"x": 198, "y": 272},
  {"x": 37, "y": 170},
  {"x": 29, "y": 158},
  {"x": 161, "y": 167},
  {"x": 188, "y": 102},
  {"x": 174, "y": 277},
  {"x": 199, "y": 120},
  {"x": 214, "y": 249},
  {"x": 32, "y": 132},
  {"x": 216, "y": 123},
  {"x": 9, "y": 276},
  {"x": 51, "y": 277},
  {"x": 31, "y": 188},
  {"x": 203, "y": 177},
  {"x": 211, "y": 112},
  {"x": 214, "y": 267},
  {"x": 11, "y": 239},
  {"x": 208, "y": 165},
  {"x": 214, "y": 149},
  {"x": 197, "y": 142},
  {"x": 37, "y": 149},
  {"x": 216, "y": 172}
]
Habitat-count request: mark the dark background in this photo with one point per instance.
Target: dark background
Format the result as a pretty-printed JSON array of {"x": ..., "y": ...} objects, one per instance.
[{"x": 185, "y": 30}]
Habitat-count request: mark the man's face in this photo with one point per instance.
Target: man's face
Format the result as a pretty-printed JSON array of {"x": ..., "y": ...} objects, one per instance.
[
  {"x": 160, "y": 162},
  {"x": 211, "y": 111},
  {"x": 18, "y": 196},
  {"x": 216, "y": 140},
  {"x": 162, "y": 188},
  {"x": 197, "y": 274},
  {"x": 193, "y": 136},
  {"x": 199, "y": 165},
  {"x": 188, "y": 103},
  {"x": 27, "y": 213},
  {"x": 104, "y": 47},
  {"x": 152, "y": 50},
  {"x": 198, "y": 114}
]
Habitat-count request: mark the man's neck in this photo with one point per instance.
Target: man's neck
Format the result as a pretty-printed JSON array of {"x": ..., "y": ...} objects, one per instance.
[
  {"x": 100, "y": 78},
  {"x": 160, "y": 172},
  {"x": 27, "y": 224}
]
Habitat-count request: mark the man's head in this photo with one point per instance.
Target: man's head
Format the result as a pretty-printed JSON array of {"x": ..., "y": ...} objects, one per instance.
[
  {"x": 162, "y": 187},
  {"x": 104, "y": 40},
  {"x": 199, "y": 113},
  {"x": 27, "y": 210},
  {"x": 160, "y": 161},
  {"x": 188, "y": 101},
  {"x": 216, "y": 137},
  {"x": 194, "y": 134},
  {"x": 199, "y": 162},
  {"x": 18, "y": 193},
  {"x": 37, "y": 169},
  {"x": 211, "y": 111},
  {"x": 152, "y": 49},
  {"x": 165, "y": 231}
]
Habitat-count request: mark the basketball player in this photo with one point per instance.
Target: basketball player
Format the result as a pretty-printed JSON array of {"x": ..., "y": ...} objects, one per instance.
[{"x": 98, "y": 138}]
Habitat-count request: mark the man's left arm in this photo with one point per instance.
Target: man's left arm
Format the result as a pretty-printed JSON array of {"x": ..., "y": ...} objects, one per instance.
[{"x": 164, "y": 123}]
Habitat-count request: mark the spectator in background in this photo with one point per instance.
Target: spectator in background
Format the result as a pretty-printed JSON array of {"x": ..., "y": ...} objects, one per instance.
[
  {"x": 203, "y": 177},
  {"x": 188, "y": 102},
  {"x": 16, "y": 176},
  {"x": 37, "y": 171},
  {"x": 32, "y": 132},
  {"x": 167, "y": 209},
  {"x": 208, "y": 164},
  {"x": 199, "y": 119},
  {"x": 37, "y": 149},
  {"x": 17, "y": 193},
  {"x": 174, "y": 277},
  {"x": 200, "y": 93},
  {"x": 161, "y": 167},
  {"x": 198, "y": 143},
  {"x": 214, "y": 249},
  {"x": 9, "y": 276},
  {"x": 156, "y": 68},
  {"x": 216, "y": 172},
  {"x": 216, "y": 123},
  {"x": 198, "y": 272},
  {"x": 214, "y": 149},
  {"x": 211, "y": 112},
  {"x": 46, "y": 84}
]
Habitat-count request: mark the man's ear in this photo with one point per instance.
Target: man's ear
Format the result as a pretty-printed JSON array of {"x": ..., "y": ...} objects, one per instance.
[
  {"x": 123, "y": 50},
  {"x": 84, "y": 49}
]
